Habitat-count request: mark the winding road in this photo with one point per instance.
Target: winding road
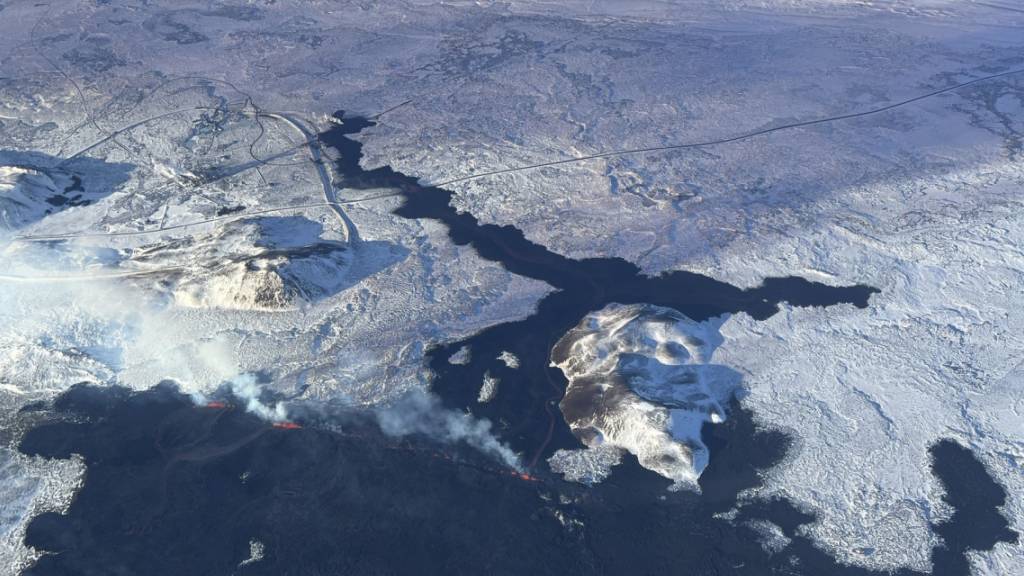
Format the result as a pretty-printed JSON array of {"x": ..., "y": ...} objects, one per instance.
[{"x": 316, "y": 155}]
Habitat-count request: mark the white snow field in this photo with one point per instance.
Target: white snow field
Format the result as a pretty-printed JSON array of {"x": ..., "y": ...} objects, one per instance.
[{"x": 844, "y": 141}]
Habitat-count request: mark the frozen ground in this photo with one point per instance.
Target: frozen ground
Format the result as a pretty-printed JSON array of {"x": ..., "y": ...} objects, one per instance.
[
  {"x": 937, "y": 355},
  {"x": 29, "y": 486},
  {"x": 171, "y": 124}
]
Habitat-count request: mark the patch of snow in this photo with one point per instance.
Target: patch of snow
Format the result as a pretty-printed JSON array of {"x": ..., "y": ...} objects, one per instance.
[
  {"x": 770, "y": 536},
  {"x": 256, "y": 552},
  {"x": 589, "y": 465},
  {"x": 461, "y": 356},
  {"x": 489, "y": 388},
  {"x": 510, "y": 359}
]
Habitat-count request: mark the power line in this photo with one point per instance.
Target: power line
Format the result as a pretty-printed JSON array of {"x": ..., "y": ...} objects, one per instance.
[{"x": 730, "y": 139}]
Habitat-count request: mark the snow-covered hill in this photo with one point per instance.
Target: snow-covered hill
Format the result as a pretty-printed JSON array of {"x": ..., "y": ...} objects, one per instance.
[
  {"x": 641, "y": 380},
  {"x": 250, "y": 264}
]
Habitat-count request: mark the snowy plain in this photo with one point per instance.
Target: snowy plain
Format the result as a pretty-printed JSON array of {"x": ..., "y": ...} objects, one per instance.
[{"x": 171, "y": 145}]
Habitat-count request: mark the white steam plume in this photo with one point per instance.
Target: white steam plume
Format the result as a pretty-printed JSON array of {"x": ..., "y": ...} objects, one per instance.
[
  {"x": 73, "y": 324},
  {"x": 244, "y": 387},
  {"x": 422, "y": 413},
  {"x": 60, "y": 308},
  {"x": 55, "y": 303}
]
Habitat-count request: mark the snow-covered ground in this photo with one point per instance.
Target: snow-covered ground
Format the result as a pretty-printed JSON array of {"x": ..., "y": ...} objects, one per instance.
[
  {"x": 170, "y": 125},
  {"x": 641, "y": 380},
  {"x": 936, "y": 355},
  {"x": 30, "y": 486}
]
